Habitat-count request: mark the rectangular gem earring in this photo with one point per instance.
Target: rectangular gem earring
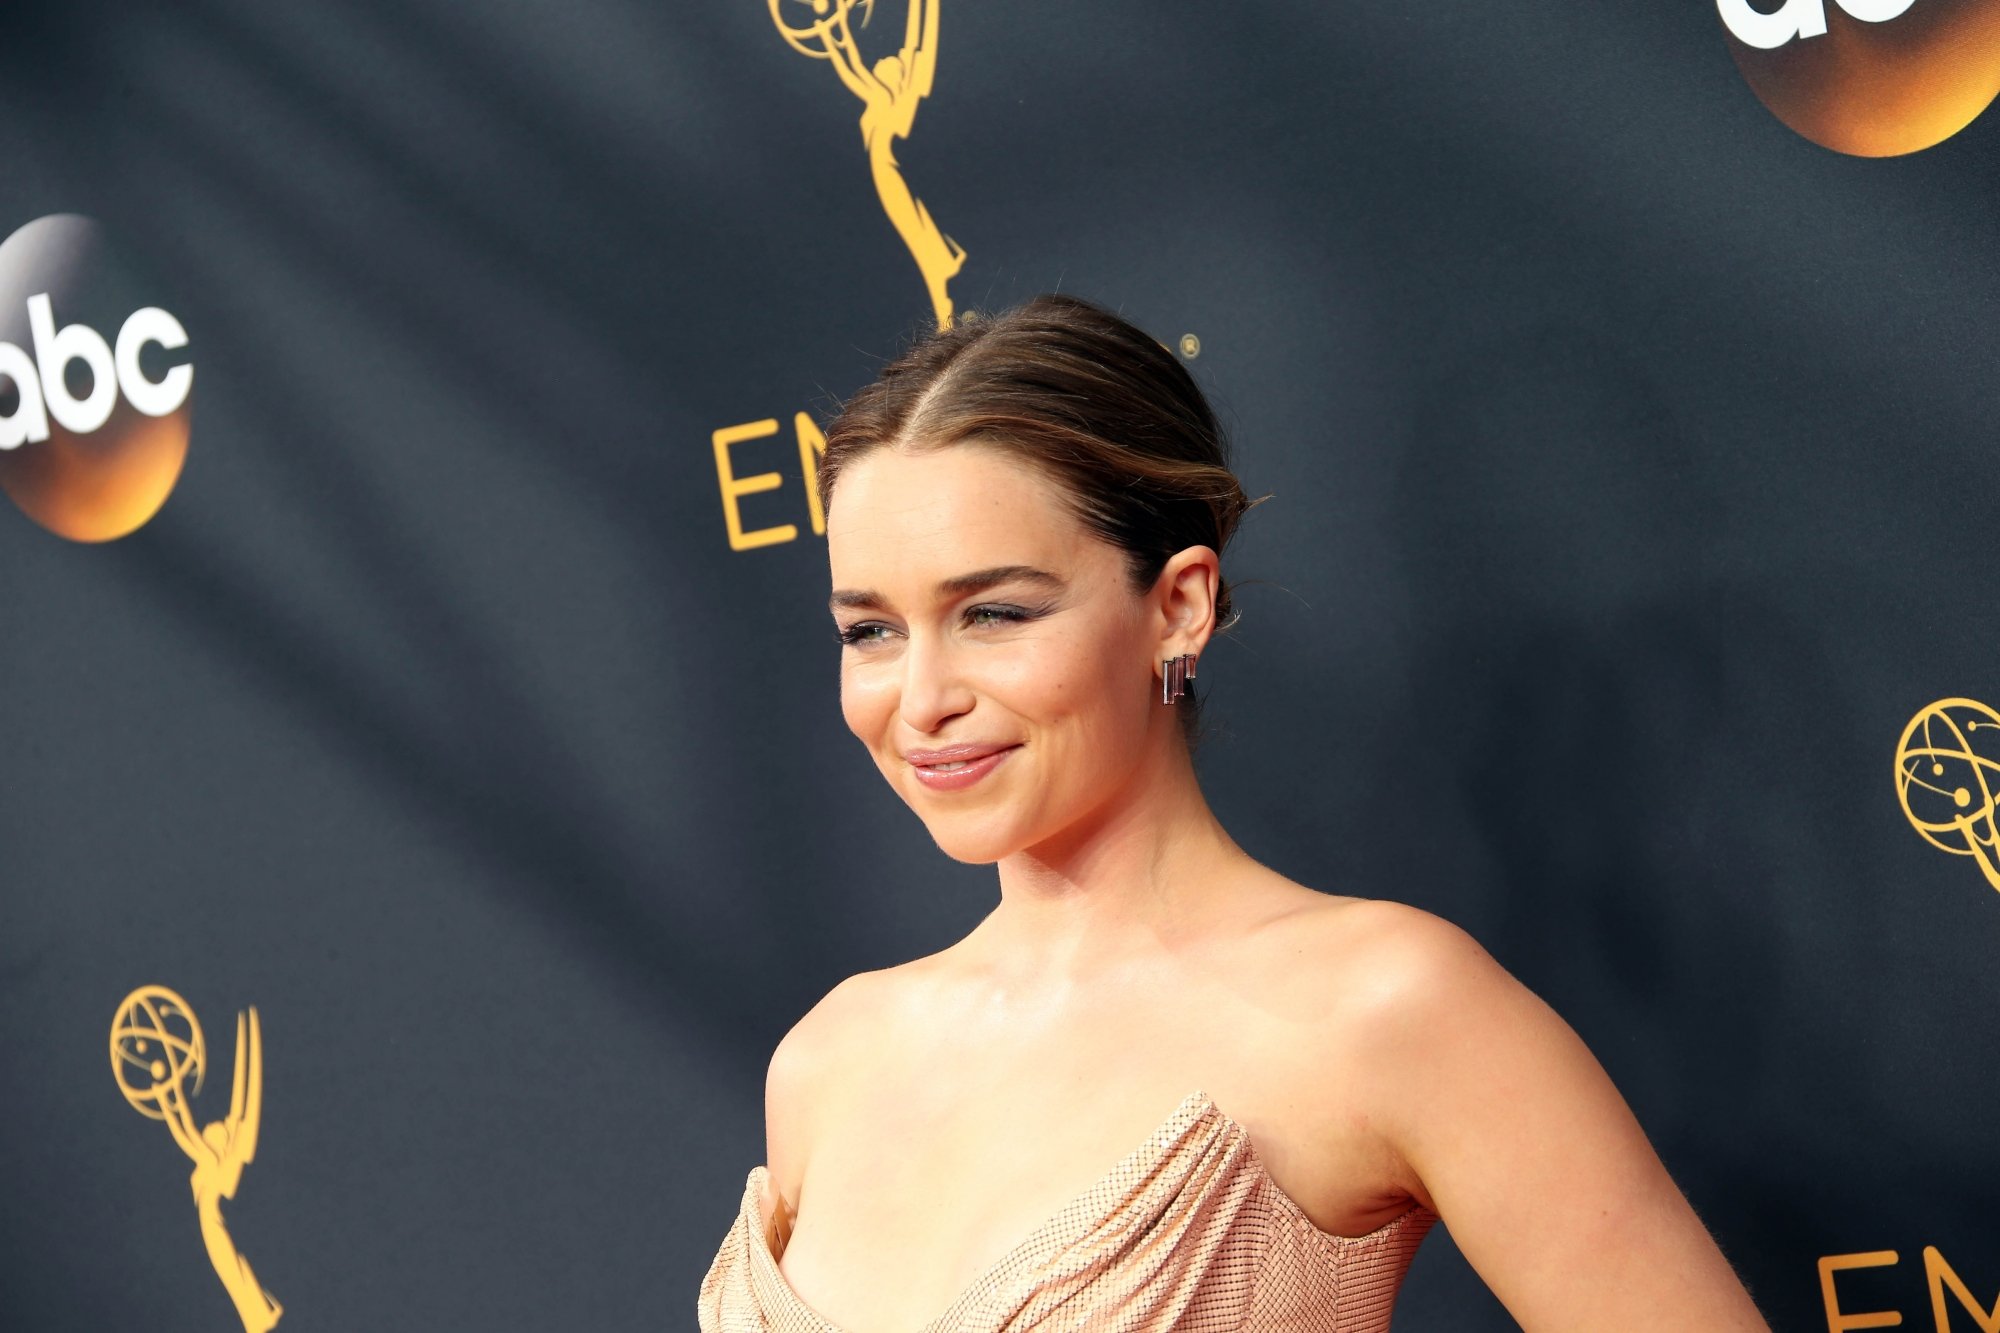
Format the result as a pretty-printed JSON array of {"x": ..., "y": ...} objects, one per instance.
[{"x": 1175, "y": 673}]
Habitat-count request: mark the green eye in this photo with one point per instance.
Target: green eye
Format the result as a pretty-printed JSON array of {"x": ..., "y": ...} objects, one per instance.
[{"x": 854, "y": 634}]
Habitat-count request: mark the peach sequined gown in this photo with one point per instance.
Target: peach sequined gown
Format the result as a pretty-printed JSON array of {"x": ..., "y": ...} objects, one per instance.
[{"x": 1186, "y": 1234}]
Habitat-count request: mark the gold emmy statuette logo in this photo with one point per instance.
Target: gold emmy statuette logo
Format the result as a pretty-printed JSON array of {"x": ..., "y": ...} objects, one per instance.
[
  {"x": 889, "y": 90},
  {"x": 1871, "y": 78},
  {"x": 1947, "y": 764},
  {"x": 156, "y": 1049}
]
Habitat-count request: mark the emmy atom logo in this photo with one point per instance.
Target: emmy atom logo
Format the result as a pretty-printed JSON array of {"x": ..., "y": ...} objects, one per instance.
[
  {"x": 159, "y": 1057},
  {"x": 1948, "y": 779},
  {"x": 1871, "y": 78},
  {"x": 93, "y": 429},
  {"x": 890, "y": 89}
]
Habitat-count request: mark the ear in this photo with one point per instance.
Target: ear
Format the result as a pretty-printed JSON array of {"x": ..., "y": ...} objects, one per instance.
[{"x": 1185, "y": 595}]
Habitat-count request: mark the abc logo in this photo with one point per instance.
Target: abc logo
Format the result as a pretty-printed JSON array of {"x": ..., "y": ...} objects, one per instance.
[
  {"x": 93, "y": 428},
  {"x": 1873, "y": 78}
]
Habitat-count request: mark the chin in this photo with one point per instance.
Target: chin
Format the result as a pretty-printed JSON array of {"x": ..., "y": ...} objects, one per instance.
[
  {"x": 973, "y": 841},
  {"x": 970, "y": 850}
]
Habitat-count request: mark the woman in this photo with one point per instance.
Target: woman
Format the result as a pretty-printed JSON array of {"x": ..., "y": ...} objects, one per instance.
[{"x": 1025, "y": 519}]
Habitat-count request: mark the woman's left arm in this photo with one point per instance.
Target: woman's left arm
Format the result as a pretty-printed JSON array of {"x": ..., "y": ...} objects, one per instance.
[{"x": 1511, "y": 1130}]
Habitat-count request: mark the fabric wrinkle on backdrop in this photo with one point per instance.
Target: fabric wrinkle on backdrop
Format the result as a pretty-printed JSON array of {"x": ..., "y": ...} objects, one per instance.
[{"x": 430, "y": 690}]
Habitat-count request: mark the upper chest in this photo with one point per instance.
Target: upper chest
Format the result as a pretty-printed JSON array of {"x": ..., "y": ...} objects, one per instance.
[{"x": 958, "y": 1139}]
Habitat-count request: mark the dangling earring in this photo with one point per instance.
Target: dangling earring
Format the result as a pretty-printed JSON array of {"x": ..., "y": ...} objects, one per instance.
[{"x": 1175, "y": 673}]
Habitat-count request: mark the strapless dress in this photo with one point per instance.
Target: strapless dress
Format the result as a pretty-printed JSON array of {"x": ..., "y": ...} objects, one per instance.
[{"x": 1188, "y": 1233}]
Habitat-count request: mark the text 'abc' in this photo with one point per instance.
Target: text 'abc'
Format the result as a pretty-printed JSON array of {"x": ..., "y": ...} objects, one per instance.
[{"x": 44, "y": 392}]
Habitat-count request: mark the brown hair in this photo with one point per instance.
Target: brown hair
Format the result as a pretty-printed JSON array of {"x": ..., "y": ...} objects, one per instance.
[{"x": 1092, "y": 401}]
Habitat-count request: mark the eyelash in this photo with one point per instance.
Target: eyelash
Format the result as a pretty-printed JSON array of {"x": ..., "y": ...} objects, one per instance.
[{"x": 857, "y": 634}]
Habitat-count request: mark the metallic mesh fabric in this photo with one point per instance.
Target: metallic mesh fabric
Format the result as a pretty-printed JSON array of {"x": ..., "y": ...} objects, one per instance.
[{"x": 1188, "y": 1234}]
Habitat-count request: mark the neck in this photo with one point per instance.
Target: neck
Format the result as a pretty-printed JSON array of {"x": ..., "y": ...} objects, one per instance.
[{"x": 1134, "y": 876}]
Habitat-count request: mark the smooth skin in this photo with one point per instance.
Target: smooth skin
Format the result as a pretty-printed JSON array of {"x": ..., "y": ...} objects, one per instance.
[{"x": 924, "y": 1119}]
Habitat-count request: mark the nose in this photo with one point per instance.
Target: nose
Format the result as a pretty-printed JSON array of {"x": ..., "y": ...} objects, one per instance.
[{"x": 934, "y": 688}]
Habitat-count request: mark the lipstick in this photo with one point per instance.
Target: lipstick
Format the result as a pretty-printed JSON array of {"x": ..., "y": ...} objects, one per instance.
[{"x": 975, "y": 761}]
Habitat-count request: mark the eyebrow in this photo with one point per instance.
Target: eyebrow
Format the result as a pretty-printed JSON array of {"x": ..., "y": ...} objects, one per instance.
[{"x": 959, "y": 585}]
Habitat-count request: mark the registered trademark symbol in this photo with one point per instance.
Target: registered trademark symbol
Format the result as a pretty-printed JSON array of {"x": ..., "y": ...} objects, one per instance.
[{"x": 1190, "y": 346}]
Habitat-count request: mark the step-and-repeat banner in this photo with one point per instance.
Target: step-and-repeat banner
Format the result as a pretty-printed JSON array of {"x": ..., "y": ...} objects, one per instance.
[{"x": 424, "y": 801}]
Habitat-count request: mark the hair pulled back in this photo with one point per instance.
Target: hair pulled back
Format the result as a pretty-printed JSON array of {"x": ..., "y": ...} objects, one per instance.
[{"x": 1077, "y": 392}]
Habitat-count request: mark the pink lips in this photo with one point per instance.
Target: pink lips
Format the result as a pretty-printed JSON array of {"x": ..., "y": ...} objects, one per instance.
[{"x": 979, "y": 760}]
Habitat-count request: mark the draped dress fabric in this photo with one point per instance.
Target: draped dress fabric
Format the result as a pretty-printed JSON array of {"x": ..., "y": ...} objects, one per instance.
[{"x": 1188, "y": 1234}]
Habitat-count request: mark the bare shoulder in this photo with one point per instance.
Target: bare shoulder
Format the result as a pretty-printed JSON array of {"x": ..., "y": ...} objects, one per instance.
[
  {"x": 1387, "y": 957},
  {"x": 1418, "y": 956},
  {"x": 1381, "y": 923},
  {"x": 1404, "y": 1005},
  {"x": 1501, "y": 1120},
  {"x": 1415, "y": 984},
  {"x": 827, "y": 1046}
]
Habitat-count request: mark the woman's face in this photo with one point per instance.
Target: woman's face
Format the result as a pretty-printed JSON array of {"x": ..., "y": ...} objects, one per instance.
[{"x": 978, "y": 611}]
